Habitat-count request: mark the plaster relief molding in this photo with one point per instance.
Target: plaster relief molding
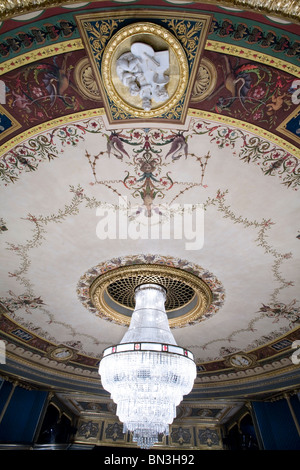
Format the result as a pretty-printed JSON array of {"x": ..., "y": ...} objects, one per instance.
[
  {"x": 290, "y": 9},
  {"x": 282, "y": 365},
  {"x": 23, "y": 355}
]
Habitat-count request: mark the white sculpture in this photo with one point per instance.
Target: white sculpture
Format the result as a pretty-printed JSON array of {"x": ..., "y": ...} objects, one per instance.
[{"x": 143, "y": 71}]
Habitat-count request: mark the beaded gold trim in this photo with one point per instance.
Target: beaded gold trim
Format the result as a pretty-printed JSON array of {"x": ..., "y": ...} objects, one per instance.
[
  {"x": 120, "y": 43},
  {"x": 162, "y": 275}
]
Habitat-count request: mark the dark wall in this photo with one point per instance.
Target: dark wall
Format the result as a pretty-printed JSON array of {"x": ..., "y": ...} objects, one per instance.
[
  {"x": 56, "y": 427},
  {"x": 276, "y": 424},
  {"x": 22, "y": 415}
]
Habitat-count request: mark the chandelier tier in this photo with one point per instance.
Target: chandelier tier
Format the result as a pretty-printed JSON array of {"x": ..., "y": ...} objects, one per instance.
[{"x": 147, "y": 374}]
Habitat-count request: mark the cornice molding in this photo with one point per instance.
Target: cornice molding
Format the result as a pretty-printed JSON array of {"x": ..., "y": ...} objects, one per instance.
[{"x": 286, "y": 9}]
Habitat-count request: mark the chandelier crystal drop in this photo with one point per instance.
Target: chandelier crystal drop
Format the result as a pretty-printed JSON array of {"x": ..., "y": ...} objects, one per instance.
[{"x": 147, "y": 374}]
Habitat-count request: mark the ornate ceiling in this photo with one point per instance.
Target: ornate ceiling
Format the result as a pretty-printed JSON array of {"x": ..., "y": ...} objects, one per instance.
[{"x": 230, "y": 145}]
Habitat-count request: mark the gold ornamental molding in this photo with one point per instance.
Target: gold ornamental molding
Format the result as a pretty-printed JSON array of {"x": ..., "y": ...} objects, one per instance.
[
  {"x": 188, "y": 296},
  {"x": 247, "y": 127},
  {"x": 145, "y": 70},
  {"x": 210, "y": 45},
  {"x": 162, "y": 39},
  {"x": 196, "y": 113},
  {"x": 241, "y": 360},
  {"x": 85, "y": 80},
  {"x": 287, "y": 9}
]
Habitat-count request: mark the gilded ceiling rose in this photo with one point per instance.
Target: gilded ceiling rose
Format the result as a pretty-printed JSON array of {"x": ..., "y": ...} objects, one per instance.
[
  {"x": 85, "y": 80},
  {"x": 206, "y": 80},
  {"x": 108, "y": 291}
]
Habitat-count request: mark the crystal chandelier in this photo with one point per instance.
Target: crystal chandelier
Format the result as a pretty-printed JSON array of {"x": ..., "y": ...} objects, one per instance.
[{"x": 147, "y": 374}]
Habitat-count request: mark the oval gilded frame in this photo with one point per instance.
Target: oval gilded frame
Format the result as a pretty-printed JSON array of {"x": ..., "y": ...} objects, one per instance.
[{"x": 160, "y": 39}]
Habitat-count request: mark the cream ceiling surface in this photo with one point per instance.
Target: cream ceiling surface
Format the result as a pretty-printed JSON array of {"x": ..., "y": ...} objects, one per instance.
[{"x": 58, "y": 167}]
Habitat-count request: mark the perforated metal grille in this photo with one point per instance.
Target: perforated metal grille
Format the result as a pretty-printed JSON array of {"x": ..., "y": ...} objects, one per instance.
[{"x": 178, "y": 293}]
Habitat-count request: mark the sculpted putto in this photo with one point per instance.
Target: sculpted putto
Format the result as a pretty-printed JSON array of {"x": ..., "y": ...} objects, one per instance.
[{"x": 143, "y": 71}]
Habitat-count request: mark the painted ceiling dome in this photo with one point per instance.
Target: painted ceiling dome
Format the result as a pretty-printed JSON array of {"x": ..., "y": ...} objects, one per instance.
[{"x": 210, "y": 165}]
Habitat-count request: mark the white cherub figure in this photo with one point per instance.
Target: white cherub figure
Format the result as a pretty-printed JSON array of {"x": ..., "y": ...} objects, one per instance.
[{"x": 143, "y": 71}]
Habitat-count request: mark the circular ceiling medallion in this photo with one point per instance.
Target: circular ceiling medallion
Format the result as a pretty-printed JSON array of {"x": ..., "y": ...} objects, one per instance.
[
  {"x": 149, "y": 41},
  {"x": 85, "y": 80},
  {"x": 187, "y": 295},
  {"x": 61, "y": 353},
  {"x": 193, "y": 294},
  {"x": 241, "y": 360},
  {"x": 205, "y": 82}
]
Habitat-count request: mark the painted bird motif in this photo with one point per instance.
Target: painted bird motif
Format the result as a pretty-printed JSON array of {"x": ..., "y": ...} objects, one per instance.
[
  {"x": 238, "y": 81},
  {"x": 56, "y": 79},
  {"x": 115, "y": 146},
  {"x": 179, "y": 147}
]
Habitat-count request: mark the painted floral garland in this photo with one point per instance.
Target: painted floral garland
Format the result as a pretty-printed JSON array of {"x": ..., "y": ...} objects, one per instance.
[{"x": 273, "y": 160}]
